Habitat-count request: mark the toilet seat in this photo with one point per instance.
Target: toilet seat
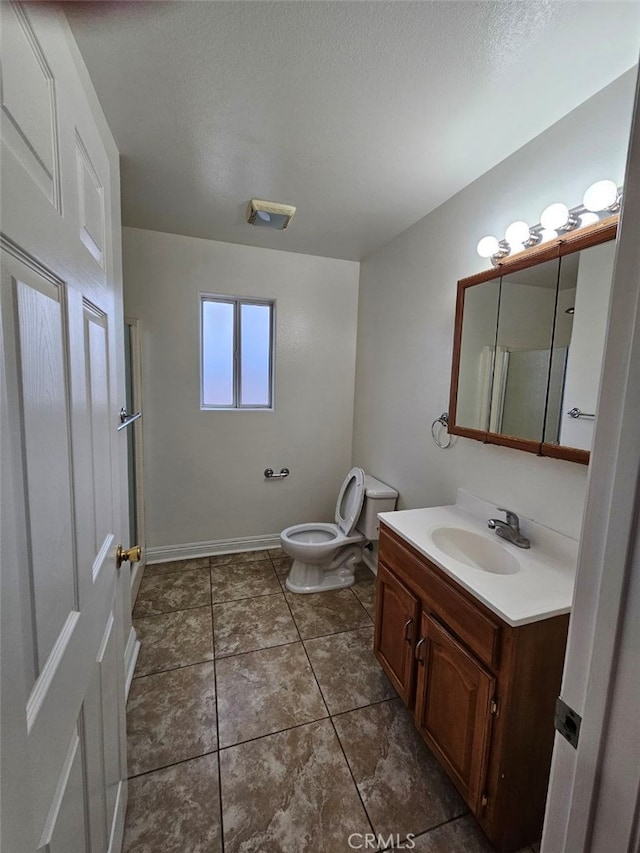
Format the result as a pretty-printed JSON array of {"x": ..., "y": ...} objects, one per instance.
[
  {"x": 318, "y": 540},
  {"x": 350, "y": 500}
]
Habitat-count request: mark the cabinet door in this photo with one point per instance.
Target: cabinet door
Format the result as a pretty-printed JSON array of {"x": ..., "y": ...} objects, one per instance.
[
  {"x": 396, "y": 626},
  {"x": 453, "y": 708}
]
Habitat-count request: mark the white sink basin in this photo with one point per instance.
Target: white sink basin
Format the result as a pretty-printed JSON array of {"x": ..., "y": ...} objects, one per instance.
[{"x": 474, "y": 550}]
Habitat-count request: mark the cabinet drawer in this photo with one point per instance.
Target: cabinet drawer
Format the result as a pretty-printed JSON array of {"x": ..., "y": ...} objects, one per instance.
[{"x": 466, "y": 618}]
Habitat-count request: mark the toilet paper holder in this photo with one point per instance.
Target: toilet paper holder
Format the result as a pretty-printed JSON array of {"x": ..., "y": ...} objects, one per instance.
[{"x": 269, "y": 475}]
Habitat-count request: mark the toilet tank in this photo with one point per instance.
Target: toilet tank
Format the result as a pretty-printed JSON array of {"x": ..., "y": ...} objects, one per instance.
[{"x": 378, "y": 497}]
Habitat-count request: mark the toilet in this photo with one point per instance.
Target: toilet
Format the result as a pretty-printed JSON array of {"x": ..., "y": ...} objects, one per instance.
[{"x": 325, "y": 555}]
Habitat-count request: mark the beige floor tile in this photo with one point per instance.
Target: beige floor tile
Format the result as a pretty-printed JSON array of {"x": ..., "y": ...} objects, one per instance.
[
  {"x": 321, "y": 613},
  {"x": 364, "y": 589},
  {"x": 347, "y": 671},
  {"x": 171, "y": 716},
  {"x": 276, "y": 553},
  {"x": 233, "y": 581},
  {"x": 175, "y": 810},
  {"x": 264, "y": 692},
  {"x": 175, "y": 566},
  {"x": 174, "y": 639},
  {"x": 401, "y": 784},
  {"x": 281, "y": 560},
  {"x": 239, "y": 557},
  {"x": 282, "y": 570},
  {"x": 175, "y": 591},
  {"x": 289, "y": 793},
  {"x": 252, "y": 623},
  {"x": 459, "y": 836},
  {"x": 462, "y": 835}
]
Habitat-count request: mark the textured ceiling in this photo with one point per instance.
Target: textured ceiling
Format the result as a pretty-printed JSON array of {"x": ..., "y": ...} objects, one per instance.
[{"x": 365, "y": 115}]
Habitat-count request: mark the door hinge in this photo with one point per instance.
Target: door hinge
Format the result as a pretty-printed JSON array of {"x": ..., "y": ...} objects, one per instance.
[
  {"x": 567, "y": 722},
  {"x": 484, "y": 800},
  {"x": 493, "y": 707}
]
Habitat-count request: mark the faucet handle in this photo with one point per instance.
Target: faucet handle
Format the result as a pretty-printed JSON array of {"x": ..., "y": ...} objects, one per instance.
[{"x": 513, "y": 520}]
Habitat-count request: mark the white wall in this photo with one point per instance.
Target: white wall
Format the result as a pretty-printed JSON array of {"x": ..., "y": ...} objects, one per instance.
[
  {"x": 406, "y": 313},
  {"x": 204, "y": 469}
]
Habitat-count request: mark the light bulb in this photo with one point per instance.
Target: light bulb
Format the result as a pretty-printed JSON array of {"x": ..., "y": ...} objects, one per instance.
[
  {"x": 555, "y": 216},
  {"x": 514, "y": 248},
  {"x": 600, "y": 196},
  {"x": 588, "y": 219},
  {"x": 517, "y": 232},
  {"x": 547, "y": 234},
  {"x": 488, "y": 246}
]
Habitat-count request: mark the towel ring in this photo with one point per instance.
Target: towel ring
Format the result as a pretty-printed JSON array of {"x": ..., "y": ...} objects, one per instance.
[{"x": 436, "y": 433}]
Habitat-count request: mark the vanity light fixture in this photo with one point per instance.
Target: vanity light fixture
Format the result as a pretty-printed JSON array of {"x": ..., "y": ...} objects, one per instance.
[
  {"x": 517, "y": 232},
  {"x": 488, "y": 246},
  {"x": 557, "y": 216},
  {"x": 588, "y": 218},
  {"x": 603, "y": 195},
  {"x": 547, "y": 234},
  {"x": 599, "y": 201}
]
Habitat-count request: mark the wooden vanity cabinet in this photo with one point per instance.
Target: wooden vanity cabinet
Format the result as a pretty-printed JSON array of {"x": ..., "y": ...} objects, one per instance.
[{"x": 482, "y": 692}]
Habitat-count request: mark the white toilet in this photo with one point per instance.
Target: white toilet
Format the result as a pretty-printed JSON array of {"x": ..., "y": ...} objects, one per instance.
[{"x": 325, "y": 555}]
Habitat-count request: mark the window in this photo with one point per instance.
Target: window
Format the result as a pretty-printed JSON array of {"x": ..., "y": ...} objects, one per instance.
[{"x": 237, "y": 353}]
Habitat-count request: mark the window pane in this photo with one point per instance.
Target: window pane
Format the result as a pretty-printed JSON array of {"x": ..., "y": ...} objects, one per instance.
[
  {"x": 217, "y": 353},
  {"x": 255, "y": 355}
]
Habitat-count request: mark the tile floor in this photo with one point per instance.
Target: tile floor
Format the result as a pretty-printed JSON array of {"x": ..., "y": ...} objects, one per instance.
[{"x": 259, "y": 721}]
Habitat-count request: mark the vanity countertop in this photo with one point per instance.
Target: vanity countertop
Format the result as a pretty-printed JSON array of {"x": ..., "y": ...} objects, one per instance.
[{"x": 542, "y": 588}]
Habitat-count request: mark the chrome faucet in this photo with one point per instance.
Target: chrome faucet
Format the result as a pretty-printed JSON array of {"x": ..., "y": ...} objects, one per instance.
[{"x": 509, "y": 529}]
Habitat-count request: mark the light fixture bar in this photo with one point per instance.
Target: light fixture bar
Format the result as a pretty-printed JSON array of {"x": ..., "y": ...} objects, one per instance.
[{"x": 599, "y": 201}]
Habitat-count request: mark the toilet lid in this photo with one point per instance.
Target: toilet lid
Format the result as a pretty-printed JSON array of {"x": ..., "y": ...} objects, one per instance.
[{"x": 350, "y": 500}]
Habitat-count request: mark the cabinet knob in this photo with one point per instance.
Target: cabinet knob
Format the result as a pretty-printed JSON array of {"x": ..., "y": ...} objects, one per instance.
[
  {"x": 409, "y": 622},
  {"x": 417, "y": 651}
]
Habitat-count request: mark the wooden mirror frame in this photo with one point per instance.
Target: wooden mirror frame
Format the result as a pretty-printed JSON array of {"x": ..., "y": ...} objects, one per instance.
[{"x": 566, "y": 244}]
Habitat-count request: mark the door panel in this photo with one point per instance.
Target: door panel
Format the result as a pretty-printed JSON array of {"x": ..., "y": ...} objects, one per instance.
[
  {"x": 65, "y": 831},
  {"x": 96, "y": 348},
  {"x": 28, "y": 103},
  {"x": 42, "y": 378},
  {"x": 396, "y": 621},
  {"x": 453, "y": 710}
]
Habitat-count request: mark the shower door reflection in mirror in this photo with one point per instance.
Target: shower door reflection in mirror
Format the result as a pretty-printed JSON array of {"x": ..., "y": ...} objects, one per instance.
[
  {"x": 578, "y": 345},
  {"x": 523, "y": 351}
]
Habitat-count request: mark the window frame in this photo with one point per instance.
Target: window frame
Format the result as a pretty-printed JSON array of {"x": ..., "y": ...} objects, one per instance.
[{"x": 238, "y": 302}]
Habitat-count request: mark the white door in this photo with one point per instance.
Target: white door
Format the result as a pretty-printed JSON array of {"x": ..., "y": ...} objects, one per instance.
[
  {"x": 64, "y": 602},
  {"x": 594, "y": 795}
]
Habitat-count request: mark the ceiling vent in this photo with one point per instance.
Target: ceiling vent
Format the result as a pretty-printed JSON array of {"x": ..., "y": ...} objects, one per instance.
[{"x": 269, "y": 214}]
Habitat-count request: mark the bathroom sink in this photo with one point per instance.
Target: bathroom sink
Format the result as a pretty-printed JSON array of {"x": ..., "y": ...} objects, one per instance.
[{"x": 475, "y": 550}]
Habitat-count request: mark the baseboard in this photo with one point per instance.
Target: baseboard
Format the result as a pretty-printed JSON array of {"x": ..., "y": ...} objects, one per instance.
[
  {"x": 191, "y": 550},
  {"x": 136, "y": 578},
  {"x": 130, "y": 658}
]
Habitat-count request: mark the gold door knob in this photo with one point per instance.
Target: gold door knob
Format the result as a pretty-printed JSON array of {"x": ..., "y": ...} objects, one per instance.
[{"x": 131, "y": 555}]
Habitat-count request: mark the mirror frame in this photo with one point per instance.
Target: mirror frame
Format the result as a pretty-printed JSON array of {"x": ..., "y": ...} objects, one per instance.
[{"x": 566, "y": 244}]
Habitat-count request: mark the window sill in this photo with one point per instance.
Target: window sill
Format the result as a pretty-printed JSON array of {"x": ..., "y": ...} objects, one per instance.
[{"x": 234, "y": 409}]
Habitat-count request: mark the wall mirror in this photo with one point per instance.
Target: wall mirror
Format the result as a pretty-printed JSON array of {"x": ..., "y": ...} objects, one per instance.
[{"x": 528, "y": 346}]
